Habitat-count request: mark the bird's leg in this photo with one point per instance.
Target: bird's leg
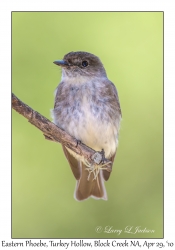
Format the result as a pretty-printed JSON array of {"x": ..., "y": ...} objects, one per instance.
[
  {"x": 103, "y": 155},
  {"x": 78, "y": 142},
  {"x": 103, "y": 162}
]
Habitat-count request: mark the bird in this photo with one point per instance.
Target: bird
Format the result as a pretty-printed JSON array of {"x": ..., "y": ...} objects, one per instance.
[{"x": 87, "y": 107}]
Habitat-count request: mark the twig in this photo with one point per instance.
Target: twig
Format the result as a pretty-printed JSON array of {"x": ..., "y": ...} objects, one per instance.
[{"x": 54, "y": 133}]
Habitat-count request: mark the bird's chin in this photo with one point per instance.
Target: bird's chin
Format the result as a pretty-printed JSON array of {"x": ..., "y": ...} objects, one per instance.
[{"x": 73, "y": 75}]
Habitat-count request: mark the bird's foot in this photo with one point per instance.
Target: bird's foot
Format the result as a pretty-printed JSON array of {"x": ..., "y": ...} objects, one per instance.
[
  {"x": 103, "y": 155},
  {"x": 78, "y": 142}
]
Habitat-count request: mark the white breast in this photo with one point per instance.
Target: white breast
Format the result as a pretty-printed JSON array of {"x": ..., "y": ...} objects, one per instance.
[
  {"x": 82, "y": 123},
  {"x": 93, "y": 132}
]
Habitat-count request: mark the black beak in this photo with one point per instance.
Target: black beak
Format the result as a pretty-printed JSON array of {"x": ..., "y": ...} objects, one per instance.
[{"x": 61, "y": 63}]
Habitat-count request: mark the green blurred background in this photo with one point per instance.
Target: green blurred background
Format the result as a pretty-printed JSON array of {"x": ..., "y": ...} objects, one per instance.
[{"x": 130, "y": 45}]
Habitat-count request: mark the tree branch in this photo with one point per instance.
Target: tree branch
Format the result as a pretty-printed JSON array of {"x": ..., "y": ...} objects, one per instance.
[{"x": 54, "y": 133}]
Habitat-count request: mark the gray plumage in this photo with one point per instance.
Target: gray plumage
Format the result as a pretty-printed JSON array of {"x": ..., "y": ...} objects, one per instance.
[{"x": 87, "y": 107}]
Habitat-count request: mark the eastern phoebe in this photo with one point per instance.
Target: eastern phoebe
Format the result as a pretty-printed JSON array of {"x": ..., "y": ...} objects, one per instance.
[{"x": 87, "y": 107}]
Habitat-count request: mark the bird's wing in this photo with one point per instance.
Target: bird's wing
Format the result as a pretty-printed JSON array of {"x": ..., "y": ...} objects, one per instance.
[
  {"x": 74, "y": 164},
  {"x": 114, "y": 101},
  {"x": 114, "y": 93},
  {"x": 106, "y": 174}
]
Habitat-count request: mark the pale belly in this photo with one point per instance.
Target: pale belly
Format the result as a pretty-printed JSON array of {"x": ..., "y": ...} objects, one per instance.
[
  {"x": 95, "y": 134},
  {"x": 88, "y": 120},
  {"x": 91, "y": 130}
]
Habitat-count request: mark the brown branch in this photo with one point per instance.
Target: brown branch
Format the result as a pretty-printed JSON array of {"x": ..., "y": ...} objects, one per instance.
[{"x": 54, "y": 133}]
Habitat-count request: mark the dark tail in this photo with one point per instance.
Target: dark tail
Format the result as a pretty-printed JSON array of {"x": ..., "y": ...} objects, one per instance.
[{"x": 87, "y": 186}]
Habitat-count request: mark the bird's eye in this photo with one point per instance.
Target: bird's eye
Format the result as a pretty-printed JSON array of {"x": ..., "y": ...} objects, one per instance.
[{"x": 84, "y": 63}]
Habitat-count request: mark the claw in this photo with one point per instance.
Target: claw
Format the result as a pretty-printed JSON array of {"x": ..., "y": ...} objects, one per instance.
[{"x": 78, "y": 142}]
